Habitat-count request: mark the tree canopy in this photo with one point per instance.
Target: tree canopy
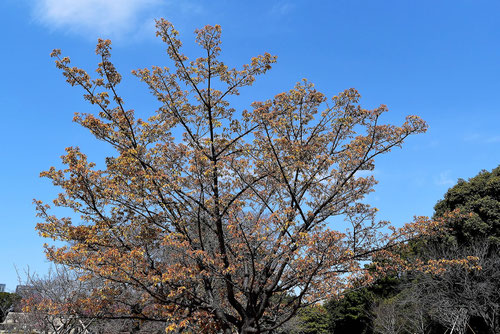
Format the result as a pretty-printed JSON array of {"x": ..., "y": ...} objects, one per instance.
[
  {"x": 479, "y": 199},
  {"x": 462, "y": 298},
  {"x": 211, "y": 218},
  {"x": 7, "y": 302}
]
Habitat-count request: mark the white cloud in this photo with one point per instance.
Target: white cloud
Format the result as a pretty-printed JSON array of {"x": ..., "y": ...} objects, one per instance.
[
  {"x": 444, "y": 179},
  {"x": 92, "y": 18}
]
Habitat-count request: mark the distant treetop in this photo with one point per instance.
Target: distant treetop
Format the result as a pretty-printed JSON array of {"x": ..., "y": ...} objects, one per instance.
[{"x": 479, "y": 200}]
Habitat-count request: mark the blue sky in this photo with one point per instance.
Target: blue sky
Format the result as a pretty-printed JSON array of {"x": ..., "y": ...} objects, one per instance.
[{"x": 437, "y": 59}]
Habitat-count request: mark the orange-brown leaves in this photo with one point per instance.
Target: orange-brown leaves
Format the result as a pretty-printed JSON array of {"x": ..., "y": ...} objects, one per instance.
[{"x": 215, "y": 215}]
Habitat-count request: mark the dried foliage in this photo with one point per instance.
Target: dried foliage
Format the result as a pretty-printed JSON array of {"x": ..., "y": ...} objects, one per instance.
[{"x": 218, "y": 219}]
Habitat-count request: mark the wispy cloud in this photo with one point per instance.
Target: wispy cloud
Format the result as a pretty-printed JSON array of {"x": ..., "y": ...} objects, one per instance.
[
  {"x": 444, "y": 179},
  {"x": 482, "y": 138},
  {"x": 106, "y": 18},
  {"x": 282, "y": 8},
  {"x": 366, "y": 173},
  {"x": 493, "y": 139}
]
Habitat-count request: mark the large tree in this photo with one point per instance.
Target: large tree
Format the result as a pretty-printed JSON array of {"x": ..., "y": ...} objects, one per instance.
[
  {"x": 461, "y": 298},
  {"x": 219, "y": 219}
]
